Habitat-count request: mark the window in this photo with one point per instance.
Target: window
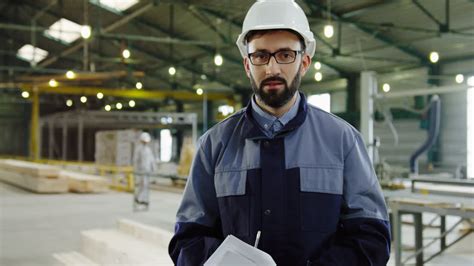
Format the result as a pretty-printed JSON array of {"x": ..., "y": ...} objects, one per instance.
[
  {"x": 31, "y": 54},
  {"x": 322, "y": 101},
  {"x": 470, "y": 132},
  {"x": 116, "y": 6},
  {"x": 64, "y": 30},
  {"x": 166, "y": 142}
]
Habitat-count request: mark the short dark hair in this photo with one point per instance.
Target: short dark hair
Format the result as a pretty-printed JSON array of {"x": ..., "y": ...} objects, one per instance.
[{"x": 257, "y": 33}]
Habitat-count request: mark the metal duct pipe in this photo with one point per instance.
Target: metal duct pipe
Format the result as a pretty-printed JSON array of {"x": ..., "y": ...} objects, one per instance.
[{"x": 434, "y": 116}]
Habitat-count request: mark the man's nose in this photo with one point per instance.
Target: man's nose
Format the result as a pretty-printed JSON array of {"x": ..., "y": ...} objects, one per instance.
[{"x": 272, "y": 68}]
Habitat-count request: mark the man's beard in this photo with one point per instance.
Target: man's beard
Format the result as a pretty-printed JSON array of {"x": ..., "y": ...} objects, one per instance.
[{"x": 276, "y": 99}]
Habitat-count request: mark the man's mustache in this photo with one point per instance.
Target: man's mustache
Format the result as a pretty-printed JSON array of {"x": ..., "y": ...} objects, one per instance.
[{"x": 273, "y": 79}]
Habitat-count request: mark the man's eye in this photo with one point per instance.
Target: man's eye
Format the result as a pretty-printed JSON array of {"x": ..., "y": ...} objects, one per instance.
[{"x": 260, "y": 55}]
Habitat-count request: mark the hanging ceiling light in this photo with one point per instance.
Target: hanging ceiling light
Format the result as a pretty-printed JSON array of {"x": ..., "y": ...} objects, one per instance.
[
  {"x": 386, "y": 87},
  {"x": 199, "y": 91},
  {"x": 69, "y": 103},
  {"x": 83, "y": 99},
  {"x": 318, "y": 76},
  {"x": 434, "y": 57},
  {"x": 459, "y": 78},
  {"x": 218, "y": 60},
  {"x": 53, "y": 83},
  {"x": 328, "y": 31},
  {"x": 131, "y": 103},
  {"x": 139, "y": 85},
  {"x": 172, "y": 71},
  {"x": 126, "y": 53},
  {"x": 107, "y": 108},
  {"x": 317, "y": 65},
  {"x": 86, "y": 31},
  {"x": 25, "y": 94},
  {"x": 118, "y": 106},
  {"x": 100, "y": 95},
  {"x": 70, "y": 74}
]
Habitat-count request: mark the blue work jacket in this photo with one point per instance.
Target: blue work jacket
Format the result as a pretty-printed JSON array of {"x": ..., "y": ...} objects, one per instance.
[{"x": 311, "y": 190}]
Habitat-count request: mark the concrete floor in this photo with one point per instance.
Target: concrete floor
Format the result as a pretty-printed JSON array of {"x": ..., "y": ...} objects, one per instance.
[{"x": 34, "y": 226}]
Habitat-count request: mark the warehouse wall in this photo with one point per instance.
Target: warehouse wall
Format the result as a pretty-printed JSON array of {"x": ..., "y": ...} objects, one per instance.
[{"x": 14, "y": 126}]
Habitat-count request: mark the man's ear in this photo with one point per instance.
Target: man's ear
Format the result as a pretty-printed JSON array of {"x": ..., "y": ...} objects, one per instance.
[
  {"x": 247, "y": 66},
  {"x": 305, "y": 64}
]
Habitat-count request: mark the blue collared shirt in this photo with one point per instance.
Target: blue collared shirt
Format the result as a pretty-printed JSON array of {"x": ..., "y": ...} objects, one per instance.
[{"x": 270, "y": 124}]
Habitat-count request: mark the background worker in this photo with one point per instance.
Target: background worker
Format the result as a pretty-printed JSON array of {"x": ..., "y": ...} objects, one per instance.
[{"x": 144, "y": 165}]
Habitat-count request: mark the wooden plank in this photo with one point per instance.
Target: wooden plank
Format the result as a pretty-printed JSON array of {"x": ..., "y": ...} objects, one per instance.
[
  {"x": 145, "y": 232},
  {"x": 35, "y": 184},
  {"x": 30, "y": 168},
  {"x": 73, "y": 258},
  {"x": 85, "y": 183},
  {"x": 111, "y": 247}
]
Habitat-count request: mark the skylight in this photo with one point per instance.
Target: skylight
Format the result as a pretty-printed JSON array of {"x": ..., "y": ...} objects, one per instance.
[
  {"x": 31, "y": 54},
  {"x": 115, "y": 5},
  {"x": 64, "y": 30}
]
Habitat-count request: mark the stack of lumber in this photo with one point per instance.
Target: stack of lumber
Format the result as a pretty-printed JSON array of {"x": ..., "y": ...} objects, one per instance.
[
  {"x": 33, "y": 176},
  {"x": 131, "y": 244},
  {"x": 186, "y": 157},
  {"x": 85, "y": 183},
  {"x": 115, "y": 147}
]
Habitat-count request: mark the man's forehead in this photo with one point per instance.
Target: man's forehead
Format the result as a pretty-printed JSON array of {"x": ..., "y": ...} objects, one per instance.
[{"x": 274, "y": 40}]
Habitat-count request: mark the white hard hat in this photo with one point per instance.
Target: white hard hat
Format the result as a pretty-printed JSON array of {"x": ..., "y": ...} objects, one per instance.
[
  {"x": 145, "y": 137},
  {"x": 276, "y": 14}
]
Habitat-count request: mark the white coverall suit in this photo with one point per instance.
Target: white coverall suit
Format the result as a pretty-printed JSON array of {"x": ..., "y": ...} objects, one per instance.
[{"x": 144, "y": 165}]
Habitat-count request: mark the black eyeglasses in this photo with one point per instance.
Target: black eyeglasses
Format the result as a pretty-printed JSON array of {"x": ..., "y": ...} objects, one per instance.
[{"x": 285, "y": 56}]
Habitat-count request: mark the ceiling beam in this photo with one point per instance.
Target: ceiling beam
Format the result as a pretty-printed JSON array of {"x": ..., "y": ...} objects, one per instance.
[{"x": 315, "y": 6}]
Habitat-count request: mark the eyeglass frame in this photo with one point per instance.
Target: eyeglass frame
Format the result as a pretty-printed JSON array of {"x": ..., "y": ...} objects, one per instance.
[{"x": 273, "y": 55}]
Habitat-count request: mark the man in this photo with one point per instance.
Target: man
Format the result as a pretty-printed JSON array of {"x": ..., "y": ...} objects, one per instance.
[
  {"x": 299, "y": 175},
  {"x": 144, "y": 164}
]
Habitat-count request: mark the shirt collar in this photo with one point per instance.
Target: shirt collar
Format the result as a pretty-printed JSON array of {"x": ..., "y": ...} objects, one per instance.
[{"x": 263, "y": 118}]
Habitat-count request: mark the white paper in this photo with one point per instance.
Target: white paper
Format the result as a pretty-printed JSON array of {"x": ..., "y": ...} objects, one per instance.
[{"x": 235, "y": 252}]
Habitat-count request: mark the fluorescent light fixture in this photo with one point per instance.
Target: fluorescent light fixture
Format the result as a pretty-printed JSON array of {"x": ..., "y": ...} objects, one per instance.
[
  {"x": 100, "y": 95},
  {"x": 459, "y": 78},
  {"x": 64, "y": 30},
  {"x": 25, "y": 94},
  {"x": 317, "y": 65},
  {"x": 434, "y": 57},
  {"x": 323, "y": 101},
  {"x": 31, "y": 54},
  {"x": 131, "y": 103},
  {"x": 107, "y": 108},
  {"x": 386, "y": 87},
  {"x": 218, "y": 60},
  {"x": 328, "y": 31},
  {"x": 318, "y": 76},
  {"x": 172, "y": 71},
  {"x": 83, "y": 99},
  {"x": 69, "y": 103},
  {"x": 115, "y": 5}
]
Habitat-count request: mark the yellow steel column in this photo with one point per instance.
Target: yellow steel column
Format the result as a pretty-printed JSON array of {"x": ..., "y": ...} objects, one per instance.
[{"x": 34, "y": 127}]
